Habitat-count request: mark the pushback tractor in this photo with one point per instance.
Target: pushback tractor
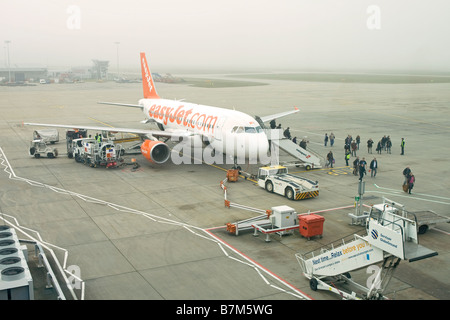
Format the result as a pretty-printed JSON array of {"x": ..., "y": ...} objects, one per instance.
[{"x": 276, "y": 179}]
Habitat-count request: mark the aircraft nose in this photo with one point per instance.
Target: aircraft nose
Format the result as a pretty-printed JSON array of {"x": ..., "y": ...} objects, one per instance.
[{"x": 264, "y": 143}]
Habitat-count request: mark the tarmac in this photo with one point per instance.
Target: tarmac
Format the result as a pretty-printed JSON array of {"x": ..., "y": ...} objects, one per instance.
[{"x": 158, "y": 232}]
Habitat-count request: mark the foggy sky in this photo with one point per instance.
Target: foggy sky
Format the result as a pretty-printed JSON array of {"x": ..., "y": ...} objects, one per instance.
[{"x": 232, "y": 34}]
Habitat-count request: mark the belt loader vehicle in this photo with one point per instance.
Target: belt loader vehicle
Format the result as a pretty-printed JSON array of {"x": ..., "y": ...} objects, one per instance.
[{"x": 277, "y": 179}]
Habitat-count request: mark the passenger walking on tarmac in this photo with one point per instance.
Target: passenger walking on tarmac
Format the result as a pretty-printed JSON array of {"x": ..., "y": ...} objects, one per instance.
[
  {"x": 330, "y": 159},
  {"x": 406, "y": 174},
  {"x": 388, "y": 144},
  {"x": 383, "y": 143},
  {"x": 325, "y": 140},
  {"x": 347, "y": 148},
  {"x": 379, "y": 147},
  {"x": 347, "y": 157},
  {"x": 373, "y": 167},
  {"x": 411, "y": 182},
  {"x": 358, "y": 140},
  {"x": 362, "y": 169},
  {"x": 369, "y": 145},
  {"x": 356, "y": 166},
  {"x": 402, "y": 146},
  {"x": 332, "y": 137},
  {"x": 353, "y": 145}
]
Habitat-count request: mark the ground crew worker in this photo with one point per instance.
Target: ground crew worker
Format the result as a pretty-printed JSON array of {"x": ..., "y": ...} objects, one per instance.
[
  {"x": 347, "y": 157},
  {"x": 99, "y": 139},
  {"x": 402, "y": 145}
]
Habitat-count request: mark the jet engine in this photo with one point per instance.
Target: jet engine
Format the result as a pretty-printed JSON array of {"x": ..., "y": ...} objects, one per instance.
[{"x": 155, "y": 151}]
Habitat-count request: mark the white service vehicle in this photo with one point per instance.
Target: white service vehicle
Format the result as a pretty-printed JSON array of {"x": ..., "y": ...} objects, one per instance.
[
  {"x": 423, "y": 219},
  {"x": 277, "y": 179},
  {"x": 39, "y": 147},
  {"x": 92, "y": 153}
]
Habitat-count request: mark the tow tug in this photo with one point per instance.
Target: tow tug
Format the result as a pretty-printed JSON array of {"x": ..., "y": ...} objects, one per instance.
[
  {"x": 277, "y": 179},
  {"x": 39, "y": 147}
]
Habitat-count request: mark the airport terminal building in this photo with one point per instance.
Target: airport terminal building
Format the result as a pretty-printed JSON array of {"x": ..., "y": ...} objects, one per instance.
[{"x": 22, "y": 74}]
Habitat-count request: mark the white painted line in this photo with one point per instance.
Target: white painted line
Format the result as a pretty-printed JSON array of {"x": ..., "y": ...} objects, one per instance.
[{"x": 155, "y": 218}]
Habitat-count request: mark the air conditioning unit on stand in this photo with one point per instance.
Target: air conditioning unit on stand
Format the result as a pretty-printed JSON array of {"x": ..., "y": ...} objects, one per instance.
[{"x": 16, "y": 282}]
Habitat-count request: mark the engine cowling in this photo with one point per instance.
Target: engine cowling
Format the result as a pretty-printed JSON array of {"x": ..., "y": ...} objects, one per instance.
[{"x": 155, "y": 151}]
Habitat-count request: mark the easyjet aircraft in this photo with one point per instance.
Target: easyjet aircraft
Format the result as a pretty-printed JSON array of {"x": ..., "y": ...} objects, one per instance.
[{"x": 225, "y": 131}]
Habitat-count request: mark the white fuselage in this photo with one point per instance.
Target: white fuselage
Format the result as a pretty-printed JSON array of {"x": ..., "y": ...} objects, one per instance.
[{"x": 227, "y": 131}]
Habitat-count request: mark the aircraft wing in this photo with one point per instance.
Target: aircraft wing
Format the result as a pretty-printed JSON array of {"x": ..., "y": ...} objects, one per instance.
[
  {"x": 279, "y": 115},
  {"x": 142, "y": 132},
  {"x": 122, "y": 104}
]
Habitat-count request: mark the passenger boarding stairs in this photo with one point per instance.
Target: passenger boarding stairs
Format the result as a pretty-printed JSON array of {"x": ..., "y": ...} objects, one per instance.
[
  {"x": 308, "y": 158},
  {"x": 390, "y": 238}
]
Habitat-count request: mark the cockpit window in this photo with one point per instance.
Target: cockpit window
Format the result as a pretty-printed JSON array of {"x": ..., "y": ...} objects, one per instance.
[{"x": 246, "y": 129}]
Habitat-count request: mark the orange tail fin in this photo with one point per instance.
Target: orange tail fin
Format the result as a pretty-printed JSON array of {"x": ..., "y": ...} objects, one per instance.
[{"x": 147, "y": 80}]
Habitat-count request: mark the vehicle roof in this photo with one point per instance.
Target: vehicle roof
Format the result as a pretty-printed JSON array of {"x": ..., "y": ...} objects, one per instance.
[{"x": 273, "y": 167}]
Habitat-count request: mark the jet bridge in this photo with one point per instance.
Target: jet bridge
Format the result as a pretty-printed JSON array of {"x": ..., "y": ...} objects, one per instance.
[{"x": 390, "y": 238}]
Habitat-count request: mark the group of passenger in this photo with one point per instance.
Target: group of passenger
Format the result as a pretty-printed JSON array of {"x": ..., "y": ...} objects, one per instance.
[
  {"x": 360, "y": 167},
  {"x": 384, "y": 143}
]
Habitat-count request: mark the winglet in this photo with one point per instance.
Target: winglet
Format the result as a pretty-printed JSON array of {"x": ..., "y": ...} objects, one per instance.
[{"x": 147, "y": 80}]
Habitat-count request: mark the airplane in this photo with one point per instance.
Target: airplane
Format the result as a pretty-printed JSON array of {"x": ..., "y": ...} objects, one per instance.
[{"x": 225, "y": 131}]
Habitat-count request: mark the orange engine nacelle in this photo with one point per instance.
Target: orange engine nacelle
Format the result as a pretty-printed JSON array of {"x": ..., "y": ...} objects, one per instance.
[{"x": 155, "y": 151}]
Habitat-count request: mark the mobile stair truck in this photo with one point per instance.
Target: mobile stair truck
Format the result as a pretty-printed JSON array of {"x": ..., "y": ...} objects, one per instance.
[
  {"x": 390, "y": 238},
  {"x": 306, "y": 158}
]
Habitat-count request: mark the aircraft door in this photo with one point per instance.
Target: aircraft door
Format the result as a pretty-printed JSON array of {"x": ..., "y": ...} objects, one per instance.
[{"x": 218, "y": 131}]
